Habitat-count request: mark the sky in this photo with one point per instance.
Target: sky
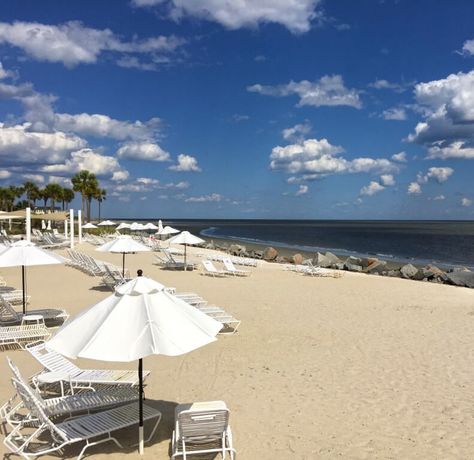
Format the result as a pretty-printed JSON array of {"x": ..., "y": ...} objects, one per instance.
[{"x": 253, "y": 109}]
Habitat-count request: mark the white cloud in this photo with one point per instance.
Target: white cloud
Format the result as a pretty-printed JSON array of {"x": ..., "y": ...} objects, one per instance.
[
  {"x": 385, "y": 84},
  {"x": 38, "y": 178},
  {"x": 214, "y": 197},
  {"x": 295, "y": 15},
  {"x": 96, "y": 163},
  {"x": 440, "y": 175},
  {"x": 64, "y": 181},
  {"x": 298, "y": 132},
  {"x": 147, "y": 181},
  {"x": 327, "y": 91},
  {"x": 414, "y": 188},
  {"x": 18, "y": 145},
  {"x": 315, "y": 158},
  {"x": 387, "y": 180},
  {"x": 120, "y": 176},
  {"x": 439, "y": 198},
  {"x": 395, "y": 113},
  {"x": 186, "y": 163},
  {"x": 448, "y": 111},
  {"x": 303, "y": 190},
  {"x": 4, "y": 73},
  {"x": 4, "y": 174},
  {"x": 371, "y": 189},
  {"x": 466, "y": 202},
  {"x": 237, "y": 117},
  {"x": 72, "y": 43},
  {"x": 468, "y": 47},
  {"x": 400, "y": 157},
  {"x": 142, "y": 151},
  {"x": 98, "y": 125}
]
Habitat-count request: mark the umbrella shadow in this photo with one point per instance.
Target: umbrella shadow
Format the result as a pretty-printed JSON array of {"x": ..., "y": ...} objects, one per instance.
[{"x": 100, "y": 288}]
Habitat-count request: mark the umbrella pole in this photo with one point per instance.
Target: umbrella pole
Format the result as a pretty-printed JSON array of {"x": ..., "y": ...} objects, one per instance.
[
  {"x": 23, "y": 286},
  {"x": 140, "y": 406},
  {"x": 123, "y": 265},
  {"x": 185, "y": 265}
]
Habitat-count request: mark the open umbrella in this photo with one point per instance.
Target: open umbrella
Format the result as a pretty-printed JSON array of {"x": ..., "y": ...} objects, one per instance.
[
  {"x": 125, "y": 245},
  {"x": 137, "y": 226},
  {"x": 106, "y": 223},
  {"x": 27, "y": 254},
  {"x": 123, "y": 225},
  {"x": 185, "y": 238},
  {"x": 89, "y": 225},
  {"x": 150, "y": 226},
  {"x": 168, "y": 231},
  {"x": 140, "y": 319}
]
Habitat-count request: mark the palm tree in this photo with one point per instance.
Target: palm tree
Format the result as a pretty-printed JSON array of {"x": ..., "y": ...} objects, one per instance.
[
  {"x": 13, "y": 192},
  {"x": 55, "y": 192},
  {"x": 44, "y": 195},
  {"x": 67, "y": 196},
  {"x": 85, "y": 183},
  {"x": 31, "y": 192},
  {"x": 91, "y": 192},
  {"x": 100, "y": 196}
]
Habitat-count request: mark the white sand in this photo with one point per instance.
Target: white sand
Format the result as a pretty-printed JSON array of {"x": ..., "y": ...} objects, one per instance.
[{"x": 358, "y": 367}]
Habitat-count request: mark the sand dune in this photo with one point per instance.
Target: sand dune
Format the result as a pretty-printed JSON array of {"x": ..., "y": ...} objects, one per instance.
[{"x": 361, "y": 367}]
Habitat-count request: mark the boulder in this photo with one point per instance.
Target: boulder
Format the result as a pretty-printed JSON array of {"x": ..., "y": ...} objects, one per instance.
[
  {"x": 237, "y": 250},
  {"x": 353, "y": 264},
  {"x": 270, "y": 254},
  {"x": 211, "y": 245},
  {"x": 283, "y": 260},
  {"x": 257, "y": 254},
  {"x": 376, "y": 267},
  {"x": 461, "y": 278},
  {"x": 297, "y": 259},
  {"x": 338, "y": 266},
  {"x": 409, "y": 271},
  {"x": 394, "y": 274},
  {"x": 320, "y": 260},
  {"x": 332, "y": 257},
  {"x": 431, "y": 271}
]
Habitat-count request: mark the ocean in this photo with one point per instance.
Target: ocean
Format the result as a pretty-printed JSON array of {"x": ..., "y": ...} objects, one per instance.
[{"x": 446, "y": 243}]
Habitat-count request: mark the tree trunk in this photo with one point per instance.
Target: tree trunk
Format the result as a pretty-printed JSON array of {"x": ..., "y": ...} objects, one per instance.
[{"x": 99, "y": 210}]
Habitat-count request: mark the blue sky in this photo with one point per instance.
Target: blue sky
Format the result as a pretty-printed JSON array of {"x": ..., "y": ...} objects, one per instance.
[{"x": 251, "y": 109}]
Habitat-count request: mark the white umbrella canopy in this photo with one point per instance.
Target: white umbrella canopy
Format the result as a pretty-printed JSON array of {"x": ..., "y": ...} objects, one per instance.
[
  {"x": 185, "y": 238},
  {"x": 140, "y": 319},
  {"x": 137, "y": 226},
  {"x": 168, "y": 231},
  {"x": 89, "y": 225},
  {"x": 150, "y": 226},
  {"x": 27, "y": 254},
  {"x": 124, "y": 245},
  {"x": 106, "y": 223},
  {"x": 123, "y": 225}
]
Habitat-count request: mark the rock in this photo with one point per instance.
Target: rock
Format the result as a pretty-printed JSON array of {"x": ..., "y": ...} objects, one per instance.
[
  {"x": 394, "y": 274},
  {"x": 409, "y": 271},
  {"x": 376, "y": 267},
  {"x": 270, "y": 253},
  {"x": 257, "y": 254},
  {"x": 283, "y": 260},
  {"x": 297, "y": 259},
  {"x": 461, "y": 278},
  {"x": 322, "y": 261},
  {"x": 364, "y": 262},
  {"x": 237, "y": 250},
  {"x": 338, "y": 266},
  {"x": 372, "y": 260},
  {"x": 431, "y": 271},
  {"x": 353, "y": 267},
  {"x": 211, "y": 245},
  {"x": 332, "y": 257}
]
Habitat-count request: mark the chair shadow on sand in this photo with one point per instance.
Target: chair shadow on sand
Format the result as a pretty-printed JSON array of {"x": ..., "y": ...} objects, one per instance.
[{"x": 128, "y": 437}]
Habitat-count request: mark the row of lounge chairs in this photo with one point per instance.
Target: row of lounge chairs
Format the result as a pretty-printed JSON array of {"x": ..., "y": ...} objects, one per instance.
[
  {"x": 43, "y": 422},
  {"x": 229, "y": 269},
  {"x": 311, "y": 270},
  {"x": 245, "y": 261},
  {"x": 167, "y": 260},
  {"x": 49, "y": 240},
  {"x": 88, "y": 264}
]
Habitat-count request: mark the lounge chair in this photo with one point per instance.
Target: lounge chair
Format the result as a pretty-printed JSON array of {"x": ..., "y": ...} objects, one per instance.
[
  {"x": 14, "y": 296},
  {"x": 31, "y": 329},
  {"x": 229, "y": 266},
  {"x": 8, "y": 315},
  {"x": 202, "y": 428},
  {"x": 66, "y": 371},
  {"x": 92, "y": 428},
  {"x": 60, "y": 406},
  {"x": 211, "y": 270},
  {"x": 169, "y": 263}
]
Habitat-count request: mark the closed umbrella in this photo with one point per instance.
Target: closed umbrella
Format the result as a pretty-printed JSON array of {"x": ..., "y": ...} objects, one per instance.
[
  {"x": 27, "y": 254},
  {"x": 160, "y": 226},
  {"x": 124, "y": 245},
  {"x": 140, "y": 319},
  {"x": 185, "y": 238}
]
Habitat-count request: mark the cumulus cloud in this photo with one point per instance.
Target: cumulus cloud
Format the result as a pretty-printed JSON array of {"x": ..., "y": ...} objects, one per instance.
[
  {"x": 385, "y": 84},
  {"x": 414, "y": 188},
  {"x": 437, "y": 174},
  {"x": 214, "y": 197},
  {"x": 400, "y": 157},
  {"x": 143, "y": 151},
  {"x": 439, "y": 198},
  {"x": 186, "y": 163},
  {"x": 72, "y": 43},
  {"x": 4, "y": 174},
  {"x": 295, "y": 15},
  {"x": 298, "y": 132},
  {"x": 327, "y": 91},
  {"x": 37, "y": 178},
  {"x": 395, "y": 113},
  {"x": 468, "y": 47},
  {"x": 101, "y": 165},
  {"x": 120, "y": 176},
  {"x": 371, "y": 189},
  {"x": 5, "y": 73},
  {"x": 387, "y": 180},
  {"x": 448, "y": 111},
  {"x": 18, "y": 145},
  {"x": 302, "y": 190},
  {"x": 313, "y": 159},
  {"x": 466, "y": 202}
]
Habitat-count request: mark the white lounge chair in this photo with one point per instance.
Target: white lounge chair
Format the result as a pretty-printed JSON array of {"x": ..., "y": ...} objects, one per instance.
[
  {"x": 31, "y": 329},
  {"x": 229, "y": 266},
  {"x": 92, "y": 428},
  {"x": 61, "y": 406},
  {"x": 211, "y": 270},
  {"x": 202, "y": 428},
  {"x": 66, "y": 371},
  {"x": 8, "y": 315}
]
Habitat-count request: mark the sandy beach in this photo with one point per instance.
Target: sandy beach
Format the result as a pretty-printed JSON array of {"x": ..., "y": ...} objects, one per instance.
[{"x": 361, "y": 367}]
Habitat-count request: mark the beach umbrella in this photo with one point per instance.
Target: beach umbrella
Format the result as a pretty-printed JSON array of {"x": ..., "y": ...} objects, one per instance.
[
  {"x": 160, "y": 226},
  {"x": 137, "y": 226},
  {"x": 185, "y": 238},
  {"x": 27, "y": 254},
  {"x": 43, "y": 225},
  {"x": 168, "y": 231},
  {"x": 89, "y": 225},
  {"x": 140, "y": 319},
  {"x": 122, "y": 226},
  {"x": 150, "y": 226},
  {"x": 123, "y": 245},
  {"x": 49, "y": 225},
  {"x": 106, "y": 223}
]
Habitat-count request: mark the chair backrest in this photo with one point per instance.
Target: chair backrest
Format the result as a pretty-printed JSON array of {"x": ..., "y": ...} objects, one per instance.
[
  {"x": 209, "y": 266},
  {"x": 7, "y": 312},
  {"x": 51, "y": 360},
  {"x": 228, "y": 264},
  {"x": 203, "y": 424}
]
